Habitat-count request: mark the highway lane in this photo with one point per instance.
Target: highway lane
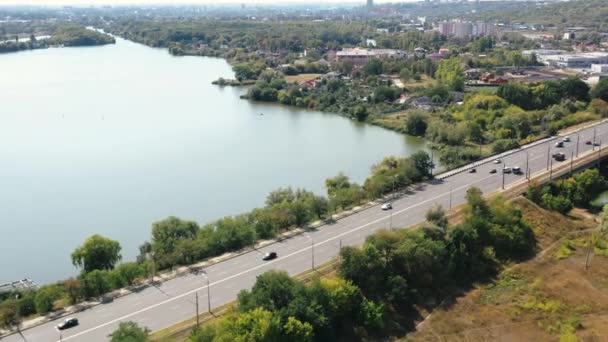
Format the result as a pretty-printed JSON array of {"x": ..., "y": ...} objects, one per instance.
[{"x": 173, "y": 301}]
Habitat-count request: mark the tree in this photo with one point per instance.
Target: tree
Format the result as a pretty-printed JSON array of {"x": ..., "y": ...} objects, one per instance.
[
  {"x": 297, "y": 331},
  {"x": 97, "y": 253},
  {"x": 45, "y": 298},
  {"x": 166, "y": 234},
  {"x": 415, "y": 123},
  {"x": 8, "y": 314},
  {"x": 360, "y": 113},
  {"x": 96, "y": 283},
  {"x": 372, "y": 68},
  {"x": 74, "y": 289},
  {"x": 256, "y": 325},
  {"x": 575, "y": 89},
  {"x": 423, "y": 163},
  {"x": 600, "y": 91},
  {"x": 436, "y": 216},
  {"x": 130, "y": 332},
  {"x": 450, "y": 73}
]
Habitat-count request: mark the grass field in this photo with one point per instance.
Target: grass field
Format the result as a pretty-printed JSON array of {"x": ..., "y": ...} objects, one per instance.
[{"x": 301, "y": 77}]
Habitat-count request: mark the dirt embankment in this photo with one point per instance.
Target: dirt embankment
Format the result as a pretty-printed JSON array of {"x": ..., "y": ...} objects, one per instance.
[{"x": 551, "y": 297}]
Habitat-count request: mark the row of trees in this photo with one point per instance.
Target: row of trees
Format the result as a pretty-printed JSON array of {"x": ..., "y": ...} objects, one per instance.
[
  {"x": 381, "y": 280},
  {"x": 182, "y": 242},
  {"x": 563, "y": 194}
]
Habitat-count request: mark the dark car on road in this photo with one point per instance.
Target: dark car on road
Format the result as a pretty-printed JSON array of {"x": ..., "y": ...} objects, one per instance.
[
  {"x": 269, "y": 256},
  {"x": 493, "y": 171},
  {"x": 559, "y": 156},
  {"x": 472, "y": 170},
  {"x": 68, "y": 323}
]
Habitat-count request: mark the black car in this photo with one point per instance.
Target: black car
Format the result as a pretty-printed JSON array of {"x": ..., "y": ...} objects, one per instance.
[
  {"x": 68, "y": 323},
  {"x": 493, "y": 171},
  {"x": 269, "y": 256},
  {"x": 472, "y": 170}
]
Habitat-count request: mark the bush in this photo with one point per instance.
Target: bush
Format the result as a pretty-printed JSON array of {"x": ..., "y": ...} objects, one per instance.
[{"x": 503, "y": 145}]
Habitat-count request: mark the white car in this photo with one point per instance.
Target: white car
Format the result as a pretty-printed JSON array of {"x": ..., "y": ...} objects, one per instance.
[
  {"x": 566, "y": 139},
  {"x": 506, "y": 170},
  {"x": 386, "y": 206},
  {"x": 497, "y": 161}
]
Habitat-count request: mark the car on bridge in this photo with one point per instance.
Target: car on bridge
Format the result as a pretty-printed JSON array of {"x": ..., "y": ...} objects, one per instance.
[
  {"x": 68, "y": 323},
  {"x": 506, "y": 170},
  {"x": 269, "y": 256},
  {"x": 559, "y": 144},
  {"x": 559, "y": 156},
  {"x": 517, "y": 170},
  {"x": 386, "y": 206}
]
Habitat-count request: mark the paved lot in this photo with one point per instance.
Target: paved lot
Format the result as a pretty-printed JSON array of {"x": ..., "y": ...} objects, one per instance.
[{"x": 173, "y": 301}]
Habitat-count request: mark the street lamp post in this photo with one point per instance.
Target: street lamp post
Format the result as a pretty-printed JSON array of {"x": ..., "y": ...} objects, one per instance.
[
  {"x": 527, "y": 165},
  {"x": 450, "y": 197},
  {"x": 197, "y": 322},
  {"x": 593, "y": 146},
  {"x": 204, "y": 273},
  {"x": 503, "y": 179},
  {"x": 551, "y": 171},
  {"x": 17, "y": 313},
  {"x": 571, "y": 162},
  {"x": 578, "y": 136},
  {"x": 312, "y": 252},
  {"x": 548, "y": 154}
]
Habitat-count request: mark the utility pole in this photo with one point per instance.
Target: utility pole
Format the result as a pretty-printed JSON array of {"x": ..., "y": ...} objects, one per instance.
[
  {"x": 593, "y": 146},
  {"x": 503, "y": 179},
  {"x": 578, "y": 136},
  {"x": 599, "y": 152},
  {"x": 548, "y": 154},
  {"x": 571, "y": 162},
  {"x": 450, "y": 197},
  {"x": 197, "y": 322},
  {"x": 208, "y": 292},
  {"x": 527, "y": 164},
  {"x": 312, "y": 252},
  {"x": 551, "y": 171}
]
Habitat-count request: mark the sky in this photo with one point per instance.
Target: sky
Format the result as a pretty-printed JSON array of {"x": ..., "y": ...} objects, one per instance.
[{"x": 174, "y": 2}]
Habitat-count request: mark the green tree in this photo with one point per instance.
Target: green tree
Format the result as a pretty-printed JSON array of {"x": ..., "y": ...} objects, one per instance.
[
  {"x": 96, "y": 283},
  {"x": 74, "y": 289},
  {"x": 130, "y": 332},
  {"x": 8, "y": 314},
  {"x": 437, "y": 216},
  {"x": 166, "y": 234},
  {"x": 256, "y": 325},
  {"x": 575, "y": 89},
  {"x": 372, "y": 68},
  {"x": 360, "y": 113},
  {"x": 600, "y": 91},
  {"x": 297, "y": 331},
  {"x": 450, "y": 73},
  {"x": 97, "y": 253},
  {"x": 45, "y": 299},
  {"x": 415, "y": 123}
]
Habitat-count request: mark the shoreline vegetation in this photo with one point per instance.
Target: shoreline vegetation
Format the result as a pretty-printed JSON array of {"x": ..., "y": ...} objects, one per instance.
[
  {"x": 177, "y": 242},
  {"x": 60, "y": 35}
]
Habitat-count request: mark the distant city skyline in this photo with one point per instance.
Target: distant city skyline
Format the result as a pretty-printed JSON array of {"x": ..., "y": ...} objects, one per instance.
[{"x": 187, "y": 2}]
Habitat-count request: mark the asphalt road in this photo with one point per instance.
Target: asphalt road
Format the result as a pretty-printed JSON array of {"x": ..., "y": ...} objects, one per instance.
[{"x": 174, "y": 300}]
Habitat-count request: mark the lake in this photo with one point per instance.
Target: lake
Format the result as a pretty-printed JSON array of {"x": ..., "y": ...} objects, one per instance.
[{"x": 110, "y": 139}]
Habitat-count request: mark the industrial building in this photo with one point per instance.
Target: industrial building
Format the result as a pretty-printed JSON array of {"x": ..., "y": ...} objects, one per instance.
[{"x": 576, "y": 60}]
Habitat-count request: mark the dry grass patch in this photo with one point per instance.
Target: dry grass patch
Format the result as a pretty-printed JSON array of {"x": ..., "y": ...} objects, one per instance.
[
  {"x": 301, "y": 78},
  {"x": 543, "y": 299}
]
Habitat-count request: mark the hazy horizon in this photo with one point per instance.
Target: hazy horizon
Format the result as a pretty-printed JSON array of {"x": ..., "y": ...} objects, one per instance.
[{"x": 184, "y": 2}]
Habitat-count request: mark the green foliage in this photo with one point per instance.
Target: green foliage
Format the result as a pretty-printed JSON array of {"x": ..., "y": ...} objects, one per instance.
[
  {"x": 97, "y": 253},
  {"x": 562, "y": 195},
  {"x": 395, "y": 173},
  {"x": 600, "y": 91},
  {"x": 76, "y": 35},
  {"x": 502, "y": 145},
  {"x": 450, "y": 73},
  {"x": 96, "y": 283},
  {"x": 46, "y": 297},
  {"x": 416, "y": 123},
  {"x": 8, "y": 314},
  {"x": 130, "y": 332}
]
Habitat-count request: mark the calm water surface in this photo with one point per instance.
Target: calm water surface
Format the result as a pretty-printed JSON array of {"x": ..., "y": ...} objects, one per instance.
[{"x": 110, "y": 139}]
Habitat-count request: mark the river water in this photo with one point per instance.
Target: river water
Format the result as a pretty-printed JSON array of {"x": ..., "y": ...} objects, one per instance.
[{"x": 110, "y": 139}]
